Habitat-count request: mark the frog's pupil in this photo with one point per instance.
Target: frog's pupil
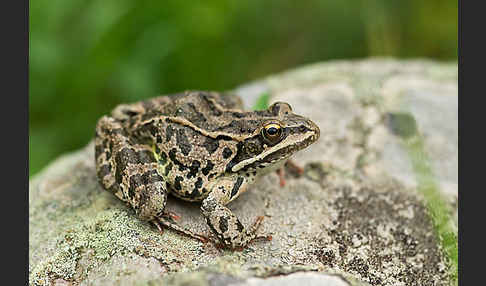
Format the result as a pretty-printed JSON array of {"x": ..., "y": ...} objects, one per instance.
[{"x": 272, "y": 131}]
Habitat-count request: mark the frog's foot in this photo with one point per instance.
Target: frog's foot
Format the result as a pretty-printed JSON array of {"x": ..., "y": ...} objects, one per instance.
[
  {"x": 228, "y": 229},
  {"x": 163, "y": 221},
  {"x": 292, "y": 168},
  {"x": 252, "y": 229},
  {"x": 221, "y": 220},
  {"x": 255, "y": 227}
]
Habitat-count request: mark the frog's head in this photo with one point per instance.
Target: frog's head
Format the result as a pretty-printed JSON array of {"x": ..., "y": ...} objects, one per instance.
[{"x": 279, "y": 134}]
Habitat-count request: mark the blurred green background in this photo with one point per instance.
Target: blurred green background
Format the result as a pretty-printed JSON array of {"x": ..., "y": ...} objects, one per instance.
[{"x": 87, "y": 56}]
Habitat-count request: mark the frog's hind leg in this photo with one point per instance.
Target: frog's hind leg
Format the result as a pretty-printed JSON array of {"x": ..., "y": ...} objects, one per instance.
[
  {"x": 128, "y": 170},
  {"x": 109, "y": 133},
  {"x": 131, "y": 172}
]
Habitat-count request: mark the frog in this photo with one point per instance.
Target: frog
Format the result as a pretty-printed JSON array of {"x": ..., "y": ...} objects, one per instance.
[{"x": 199, "y": 146}]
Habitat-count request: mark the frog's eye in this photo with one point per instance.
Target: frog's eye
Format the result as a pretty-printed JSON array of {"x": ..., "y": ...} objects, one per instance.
[{"x": 272, "y": 133}]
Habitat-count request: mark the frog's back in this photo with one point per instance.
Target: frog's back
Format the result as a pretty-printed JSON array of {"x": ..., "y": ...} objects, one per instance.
[
  {"x": 209, "y": 105},
  {"x": 182, "y": 129}
]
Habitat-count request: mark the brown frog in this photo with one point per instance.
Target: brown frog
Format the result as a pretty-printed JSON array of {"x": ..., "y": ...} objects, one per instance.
[{"x": 200, "y": 147}]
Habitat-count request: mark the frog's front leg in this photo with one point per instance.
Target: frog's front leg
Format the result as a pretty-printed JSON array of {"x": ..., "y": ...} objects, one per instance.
[{"x": 227, "y": 227}]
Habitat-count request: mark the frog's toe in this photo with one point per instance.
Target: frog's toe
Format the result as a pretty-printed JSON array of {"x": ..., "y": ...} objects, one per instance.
[
  {"x": 294, "y": 168},
  {"x": 263, "y": 237},
  {"x": 254, "y": 229},
  {"x": 163, "y": 221},
  {"x": 256, "y": 224},
  {"x": 281, "y": 176},
  {"x": 159, "y": 227},
  {"x": 171, "y": 215}
]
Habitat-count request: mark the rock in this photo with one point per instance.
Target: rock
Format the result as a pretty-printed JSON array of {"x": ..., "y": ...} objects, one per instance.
[
  {"x": 356, "y": 217},
  {"x": 310, "y": 279}
]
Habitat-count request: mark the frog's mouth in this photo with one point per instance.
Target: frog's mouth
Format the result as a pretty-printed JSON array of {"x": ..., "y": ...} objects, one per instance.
[{"x": 287, "y": 151}]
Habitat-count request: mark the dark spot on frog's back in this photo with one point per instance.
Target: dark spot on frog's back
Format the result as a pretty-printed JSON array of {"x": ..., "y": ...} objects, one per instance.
[
  {"x": 211, "y": 145},
  {"x": 183, "y": 142},
  {"x": 227, "y": 152},
  {"x": 169, "y": 131},
  {"x": 193, "y": 169},
  {"x": 208, "y": 168},
  {"x": 177, "y": 183}
]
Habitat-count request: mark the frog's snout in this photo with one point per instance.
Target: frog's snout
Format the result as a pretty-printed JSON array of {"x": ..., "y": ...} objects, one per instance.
[{"x": 313, "y": 127}]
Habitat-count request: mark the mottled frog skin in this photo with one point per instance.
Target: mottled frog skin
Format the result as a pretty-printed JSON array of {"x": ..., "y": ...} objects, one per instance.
[{"x": 198, "y": 146}]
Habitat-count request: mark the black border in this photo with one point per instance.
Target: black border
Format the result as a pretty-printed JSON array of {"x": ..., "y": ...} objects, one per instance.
[
  {"x": 468, "y": 188},
  {"x": 460, "y": 204},
  {"x": 14, "y": 23}
]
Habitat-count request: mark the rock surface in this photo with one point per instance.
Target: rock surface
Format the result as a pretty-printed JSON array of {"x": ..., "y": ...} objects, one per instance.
[{"x": 354, "y": 218}]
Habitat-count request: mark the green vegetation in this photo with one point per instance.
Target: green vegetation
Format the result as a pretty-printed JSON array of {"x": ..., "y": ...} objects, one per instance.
[
  {"x": 403, "y": 124},
  {"x": 440, "y": 210},
  {"x": 262, "y": 101},
  {"x": 86, "y": 56}
]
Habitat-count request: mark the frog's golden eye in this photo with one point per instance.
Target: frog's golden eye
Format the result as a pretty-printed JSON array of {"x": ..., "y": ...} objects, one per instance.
[{"x": 272, "y": 132}]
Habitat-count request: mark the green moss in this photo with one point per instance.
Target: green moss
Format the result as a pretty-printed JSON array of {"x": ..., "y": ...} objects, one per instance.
[
  {"x": 439, "y": 209},
  {"x": 108, "y": 233}
]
